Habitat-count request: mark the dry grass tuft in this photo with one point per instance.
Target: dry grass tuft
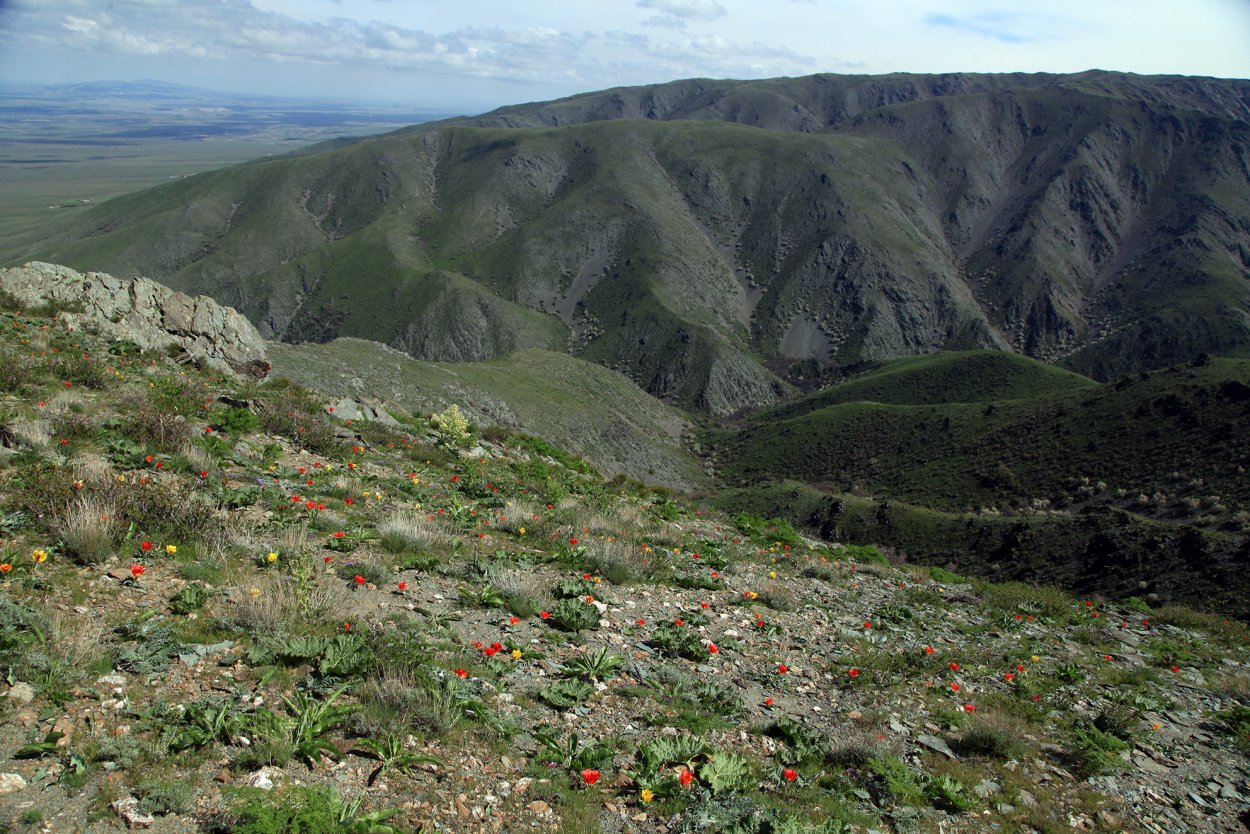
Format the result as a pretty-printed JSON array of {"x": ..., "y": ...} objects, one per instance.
[
  {"x": 274, "y": 602},
  {"x": 34, "y": 434},
  {"x": 76, "y": 641},
  {"x": 88, "y": 527},
  {"x": 617, "y": 561},
  {"x": 854, "y": 746},
  {"x": 406, "y": 532},
  {"x": 524, "y": 593},
  {"x": 515, "y": 515}
]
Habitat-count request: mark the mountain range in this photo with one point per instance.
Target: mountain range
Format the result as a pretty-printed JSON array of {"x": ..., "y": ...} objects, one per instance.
[{"x": 726, "y": 243}]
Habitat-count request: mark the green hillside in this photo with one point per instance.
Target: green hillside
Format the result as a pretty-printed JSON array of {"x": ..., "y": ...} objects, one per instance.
[
  {"x": 571, "y": 403},
  {"x": 1176, "y": 432},
  {"x": 723, "y": 244},
  {"x": 946, "y": 377},
  {"x": 1097, "y": 549}
]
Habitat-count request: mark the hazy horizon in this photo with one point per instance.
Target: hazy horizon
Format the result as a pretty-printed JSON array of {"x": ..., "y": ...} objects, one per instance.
[{"x": 475, "y": 56}]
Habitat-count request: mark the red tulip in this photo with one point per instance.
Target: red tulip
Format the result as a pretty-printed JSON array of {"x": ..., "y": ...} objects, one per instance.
[
  {"x": 137, "y": 570},
  {"x": 590, "y": 776},
  {"x": 790, "y": 774},
  {"x": 685, "y": 778}
]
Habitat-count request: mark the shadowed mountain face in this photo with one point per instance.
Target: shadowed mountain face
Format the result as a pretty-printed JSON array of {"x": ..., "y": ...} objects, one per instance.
[{"x": 720, "y": 242}]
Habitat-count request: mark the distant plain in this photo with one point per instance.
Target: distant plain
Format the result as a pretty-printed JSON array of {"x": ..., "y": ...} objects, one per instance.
[{"x": 67, "y": 147}]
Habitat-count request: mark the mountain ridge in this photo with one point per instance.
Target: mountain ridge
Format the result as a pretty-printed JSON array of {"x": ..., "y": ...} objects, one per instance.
[{"x": 1095, "y": 221}]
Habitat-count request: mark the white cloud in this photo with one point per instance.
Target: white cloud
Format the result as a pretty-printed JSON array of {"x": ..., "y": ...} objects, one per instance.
[
  {"x": 504, "y": 51},
  {"x": 685, "y": 9}
]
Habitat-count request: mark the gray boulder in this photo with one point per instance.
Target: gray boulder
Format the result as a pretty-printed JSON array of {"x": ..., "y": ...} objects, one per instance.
[{"x": 147, "y": 313}]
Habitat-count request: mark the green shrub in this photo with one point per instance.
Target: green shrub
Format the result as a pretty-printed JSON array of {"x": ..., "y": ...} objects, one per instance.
[
  {"x": 948, "y": 794},
  {"x": 190, "y": 598},
  {"x": 678, "y": 641},
  {"x": 1235, "y": 721},
  {"x": 725, "y": 773},
  {"x": 1093, "y": 750},
  {"x": 767, "y": 531},
  {"x": 574, "y": 615},
  {"x": 891, "y": 780},
  {"x": 236, "y": 421},
  {"x": 302, "y": 810},
  {"x": 945, "y": 577},
  {"x": 565, "y": 694}
]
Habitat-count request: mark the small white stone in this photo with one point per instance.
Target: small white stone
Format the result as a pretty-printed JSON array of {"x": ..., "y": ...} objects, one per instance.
[{"x": 11, "y": 783}]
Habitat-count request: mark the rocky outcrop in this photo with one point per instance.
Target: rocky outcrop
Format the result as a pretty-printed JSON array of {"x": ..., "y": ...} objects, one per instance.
[
  {"x": 144, "y": 312},
  {"x": 361, "y": 408}
]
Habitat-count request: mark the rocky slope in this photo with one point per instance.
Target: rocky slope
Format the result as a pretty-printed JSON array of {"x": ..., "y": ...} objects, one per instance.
[
  {"x": 224, "y": 610},
  {"x": 719, "y": 242}
]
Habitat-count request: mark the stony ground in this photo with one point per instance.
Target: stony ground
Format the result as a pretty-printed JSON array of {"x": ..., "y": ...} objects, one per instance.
[{"x": 242, "y": 603}]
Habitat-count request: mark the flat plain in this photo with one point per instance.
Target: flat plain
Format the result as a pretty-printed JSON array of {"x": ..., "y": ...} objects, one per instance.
[{"x": 64, "y": 148}]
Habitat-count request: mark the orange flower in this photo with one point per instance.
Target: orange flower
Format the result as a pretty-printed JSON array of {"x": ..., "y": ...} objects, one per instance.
[
  {"x": 460, "y": 673},
  {"x": 5, "y": 568}
]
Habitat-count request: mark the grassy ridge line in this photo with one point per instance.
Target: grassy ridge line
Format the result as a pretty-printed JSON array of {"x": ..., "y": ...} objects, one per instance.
[
  {"x": 571, "y": 403},
  {"x": 1099, "y": 551},
  {"x": 956, "y": 376},
  {"x": 1174, "y": 432}
]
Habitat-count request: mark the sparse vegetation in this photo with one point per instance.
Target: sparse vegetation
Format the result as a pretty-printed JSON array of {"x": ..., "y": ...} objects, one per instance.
[{"x": 613, "y": 645}]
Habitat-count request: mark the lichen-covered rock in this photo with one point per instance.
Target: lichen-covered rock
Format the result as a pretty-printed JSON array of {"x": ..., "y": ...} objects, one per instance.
[
  {"x": 147, "y": 313},
  {"x": 365, "y": 408}
]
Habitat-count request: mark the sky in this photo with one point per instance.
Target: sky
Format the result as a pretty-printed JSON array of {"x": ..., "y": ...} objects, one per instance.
[{"x": 476, "y": 54}]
